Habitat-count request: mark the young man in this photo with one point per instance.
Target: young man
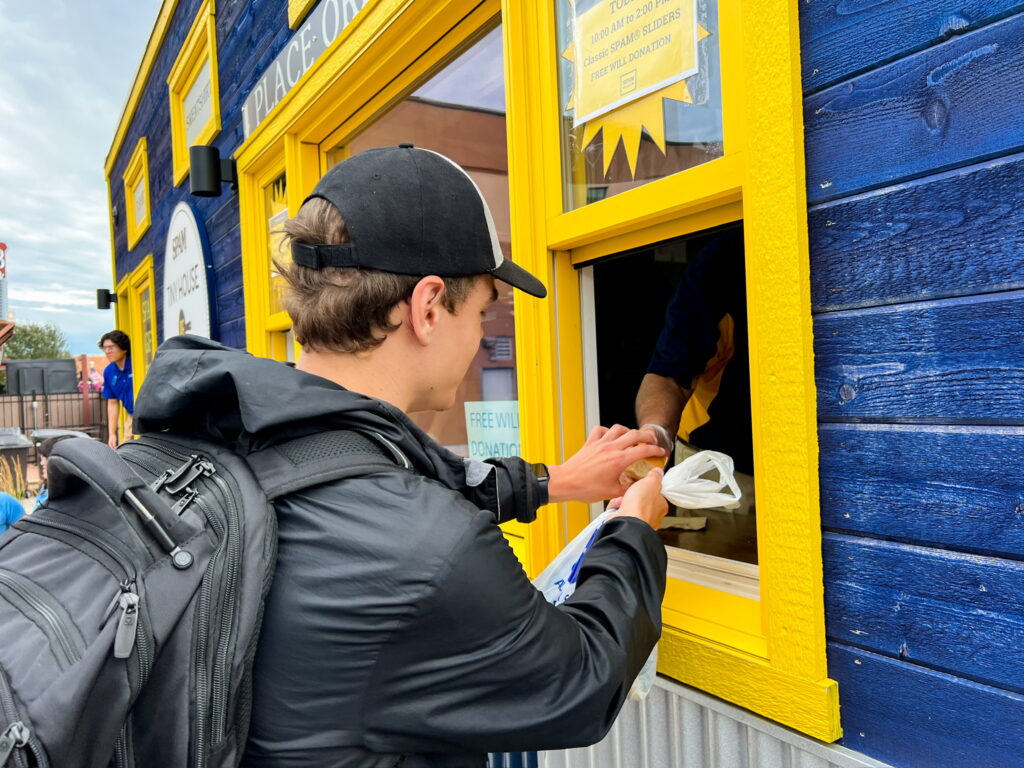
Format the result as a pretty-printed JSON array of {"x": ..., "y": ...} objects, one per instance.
[
  {"x": 400, "y": 628},
  {"x": 117, "y": 382}
]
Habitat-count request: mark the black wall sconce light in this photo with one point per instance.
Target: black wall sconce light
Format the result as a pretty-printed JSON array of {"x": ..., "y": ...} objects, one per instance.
[
  {"x": 105, "y": 298},
  {"x": 208, "y": 170}
]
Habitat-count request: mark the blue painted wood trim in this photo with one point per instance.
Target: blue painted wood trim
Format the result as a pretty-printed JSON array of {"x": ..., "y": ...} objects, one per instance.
[
  {"x": 951, "y": 105},
  {"x": 955, "y": 361},
  {"x": 842, "y": 38},
  {"x": 913, "y": 717},
  {"x": 949, "y": 611},
  {"x": 945, "y": 486},
  {"x": 953, "y": 234}
]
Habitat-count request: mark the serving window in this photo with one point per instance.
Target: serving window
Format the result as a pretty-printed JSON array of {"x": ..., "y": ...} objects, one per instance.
[{"x": 681, "y": 360}]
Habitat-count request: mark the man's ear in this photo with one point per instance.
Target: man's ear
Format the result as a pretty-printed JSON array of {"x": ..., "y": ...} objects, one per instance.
[{"x": 425, "y": 307}]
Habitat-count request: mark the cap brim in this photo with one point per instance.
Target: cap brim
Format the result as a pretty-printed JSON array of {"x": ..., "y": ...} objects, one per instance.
[{"x": 511, "y": 273}]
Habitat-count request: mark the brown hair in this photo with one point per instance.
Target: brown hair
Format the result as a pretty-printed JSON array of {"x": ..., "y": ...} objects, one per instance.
[{"x": 345, "y": 309}]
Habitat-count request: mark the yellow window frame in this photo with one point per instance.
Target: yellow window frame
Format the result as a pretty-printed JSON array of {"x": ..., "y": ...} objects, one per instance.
[
  {"x": 298, "y": 10},
  {"x": 767, "y": 655},
  {"x": 265, "y": 331},
  {"x": 136, "y": 173},
  {"x": 130, "y": 289},
  {"x": 200, "y": 47}
]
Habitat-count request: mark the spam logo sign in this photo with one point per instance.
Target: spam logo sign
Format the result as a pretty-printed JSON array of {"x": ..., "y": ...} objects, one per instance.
[{"x": 322, "y": 28}]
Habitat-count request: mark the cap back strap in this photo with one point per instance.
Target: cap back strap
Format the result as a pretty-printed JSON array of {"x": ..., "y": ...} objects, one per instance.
[{"x": 322, "y": 256}]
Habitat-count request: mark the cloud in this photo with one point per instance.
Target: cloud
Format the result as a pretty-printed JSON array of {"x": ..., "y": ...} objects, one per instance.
[{"x": 66, "y": 71}]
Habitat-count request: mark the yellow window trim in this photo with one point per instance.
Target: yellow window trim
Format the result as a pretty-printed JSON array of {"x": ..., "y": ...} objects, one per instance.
[
  {"x": 129, "y": 314},
  {"x": 255, "y": 275},
  {"x": 298, "y": 10},
  {"x": 767, "y": 655},
  {"x": 135, "y": 174},
  {"x": 200, "y": 47}
]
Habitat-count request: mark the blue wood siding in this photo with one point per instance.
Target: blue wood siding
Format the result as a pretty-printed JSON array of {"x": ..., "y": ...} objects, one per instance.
[
  {"x": 914, "y": 113},
  {"x": 249, "y": 36}
]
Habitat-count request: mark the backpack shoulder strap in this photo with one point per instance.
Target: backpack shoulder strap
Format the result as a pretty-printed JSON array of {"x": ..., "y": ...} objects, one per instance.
[{"x": 315, "y": 459}]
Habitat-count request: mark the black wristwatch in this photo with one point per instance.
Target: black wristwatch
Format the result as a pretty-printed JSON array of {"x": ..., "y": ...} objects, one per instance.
[{"x": 540, "y": 471}]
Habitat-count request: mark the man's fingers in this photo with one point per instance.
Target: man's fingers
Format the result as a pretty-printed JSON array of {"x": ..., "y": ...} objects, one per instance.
[
  {"x": 631, "y": 437},
  {"x": 596, "y": 434},
  {"x": 642, "y": 451},
  {"x": 615, "y": 431}
]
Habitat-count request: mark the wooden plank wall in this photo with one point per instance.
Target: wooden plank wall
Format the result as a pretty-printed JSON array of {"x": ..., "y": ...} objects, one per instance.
[
  {"x": 249, "y": 36},
  {"x": 914, "y": 113}
]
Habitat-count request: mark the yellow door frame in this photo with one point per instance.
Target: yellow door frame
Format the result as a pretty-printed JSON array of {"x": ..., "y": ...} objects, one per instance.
[{"x": 391, "y": 47}]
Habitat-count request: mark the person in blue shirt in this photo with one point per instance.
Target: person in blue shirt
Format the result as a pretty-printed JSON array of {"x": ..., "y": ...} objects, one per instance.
[
  {"x": 118, "y": 387},
  {"x": 10, "y": 511}
]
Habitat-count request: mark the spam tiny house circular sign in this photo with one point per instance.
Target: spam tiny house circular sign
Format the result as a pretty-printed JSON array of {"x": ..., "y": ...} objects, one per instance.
[{"x": 186, "y": 292}]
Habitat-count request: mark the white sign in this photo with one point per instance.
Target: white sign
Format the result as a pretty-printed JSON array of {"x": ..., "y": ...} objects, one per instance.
[
  {"x": 492, "y": 428},
  {"x": 186, "y": 296},
  {"x": 322, "y": 28},
  {"x": 198, "y": 106}
]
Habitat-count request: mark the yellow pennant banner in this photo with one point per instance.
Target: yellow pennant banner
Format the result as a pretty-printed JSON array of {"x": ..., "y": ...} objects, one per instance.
[{"x": 627, "y": 49}]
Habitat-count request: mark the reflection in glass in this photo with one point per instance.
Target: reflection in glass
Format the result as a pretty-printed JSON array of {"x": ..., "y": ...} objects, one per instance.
[
  {"x": 146, "y": 310},
  {"x": 639, "y": 91},
  {"x": 460, "y": 112},
  {"x": 686, "y": 332},
  {"x": 275, "y": 208}
]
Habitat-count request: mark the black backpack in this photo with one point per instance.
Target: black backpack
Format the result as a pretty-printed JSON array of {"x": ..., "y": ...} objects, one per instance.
[{"x": 130, "y": 603}]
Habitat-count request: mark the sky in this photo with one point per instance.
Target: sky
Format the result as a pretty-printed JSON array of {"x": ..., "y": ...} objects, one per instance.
[{"x": 65, "y": 73}]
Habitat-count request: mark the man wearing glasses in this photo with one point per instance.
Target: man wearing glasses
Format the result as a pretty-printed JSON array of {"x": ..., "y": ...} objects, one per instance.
[{"x": 117, "y": 383}]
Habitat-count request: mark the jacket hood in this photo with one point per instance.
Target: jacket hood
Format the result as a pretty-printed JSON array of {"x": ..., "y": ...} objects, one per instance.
[{"x": 201, "y": 387}]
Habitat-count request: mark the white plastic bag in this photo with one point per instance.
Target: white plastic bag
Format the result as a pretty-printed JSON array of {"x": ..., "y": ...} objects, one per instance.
[{"x": 684, "y": 487}]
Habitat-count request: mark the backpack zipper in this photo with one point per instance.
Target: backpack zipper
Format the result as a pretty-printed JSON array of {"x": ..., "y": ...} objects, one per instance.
[
  {"x": 16, "y": 739},
  {"x": 68, "y": 639},
  {"x": 211, "y": 710},
  {"x": 113, "y": 554}
]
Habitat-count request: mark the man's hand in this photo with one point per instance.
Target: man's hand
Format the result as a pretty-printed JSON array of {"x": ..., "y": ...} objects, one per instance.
[
  {"x": 112, "y": 441},
  {"x": 643, "y": 500},
  {"x": 594, "y": 472}
]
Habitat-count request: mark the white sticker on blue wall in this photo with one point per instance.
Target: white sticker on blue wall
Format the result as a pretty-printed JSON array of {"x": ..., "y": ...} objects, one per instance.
[{"x": 492, "y": 428}]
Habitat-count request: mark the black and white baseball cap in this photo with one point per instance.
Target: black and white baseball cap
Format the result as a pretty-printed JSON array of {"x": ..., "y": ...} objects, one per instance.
[{"x": 413, "y": 212}]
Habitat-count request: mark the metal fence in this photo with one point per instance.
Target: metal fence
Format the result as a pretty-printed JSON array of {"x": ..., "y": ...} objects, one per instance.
[{"x": 72, "y": 410}]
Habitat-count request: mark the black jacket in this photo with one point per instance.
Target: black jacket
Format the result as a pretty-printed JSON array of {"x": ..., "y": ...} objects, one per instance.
[{"x": 400, "y": 629}]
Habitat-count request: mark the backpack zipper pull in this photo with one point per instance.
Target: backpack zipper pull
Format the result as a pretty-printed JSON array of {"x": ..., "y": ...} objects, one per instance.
[
  {"x": 15, "y": 737},
  {"x": 127, "y": 625}
]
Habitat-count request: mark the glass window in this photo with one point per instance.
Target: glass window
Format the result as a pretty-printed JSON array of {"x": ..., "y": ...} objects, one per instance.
[
  {"x": 148, "y": 331},
  {"x": 640, "y": 92},
  {"x": 684, "y": 343},
  {"x": 460, "y": 112},
  {"x": 275, "y": 208}
]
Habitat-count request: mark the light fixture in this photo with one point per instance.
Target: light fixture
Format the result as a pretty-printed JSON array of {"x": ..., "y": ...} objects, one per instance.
[
  {"x": 105, "y": 298},
  {"x": 208, "y": 170}
]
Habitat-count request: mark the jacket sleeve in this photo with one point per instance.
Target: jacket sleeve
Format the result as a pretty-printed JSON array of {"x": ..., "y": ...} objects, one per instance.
[
  {"x": 506, "y": 487},
  {"x": 485, "y": 664}
]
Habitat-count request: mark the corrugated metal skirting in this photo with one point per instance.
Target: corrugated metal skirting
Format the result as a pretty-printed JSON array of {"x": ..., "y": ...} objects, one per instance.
[{"x": 680, "y": 727}]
